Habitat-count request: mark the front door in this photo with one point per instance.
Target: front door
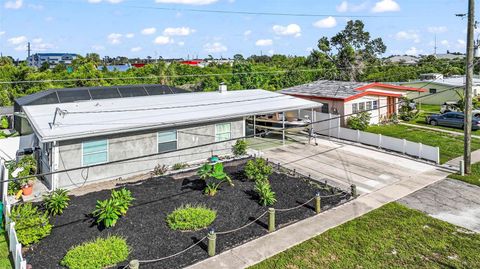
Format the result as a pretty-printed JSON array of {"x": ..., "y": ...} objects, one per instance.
[{"x": 390, "y": 106}]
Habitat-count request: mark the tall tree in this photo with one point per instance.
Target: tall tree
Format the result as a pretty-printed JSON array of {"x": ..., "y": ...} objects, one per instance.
[{"x": 350, "y": 50}]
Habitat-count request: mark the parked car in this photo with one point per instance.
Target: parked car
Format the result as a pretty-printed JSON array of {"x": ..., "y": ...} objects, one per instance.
[
  {"x": 451, "y": 119},
  {"x": 452, "y": 106}
]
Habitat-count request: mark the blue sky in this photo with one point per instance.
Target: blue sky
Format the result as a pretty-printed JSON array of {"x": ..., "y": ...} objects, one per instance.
[{"x": 136, "y": 29}]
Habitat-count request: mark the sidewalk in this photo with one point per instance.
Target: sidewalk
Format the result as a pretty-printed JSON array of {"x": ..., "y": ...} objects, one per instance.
[
  {"x": 437, "y": 129},
  {"x": 456, "y": 162},
  {"x": 272, "y": 244}
]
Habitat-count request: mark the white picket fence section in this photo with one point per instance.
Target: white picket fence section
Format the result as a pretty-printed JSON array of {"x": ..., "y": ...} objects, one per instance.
[
  {"x": 329, "y": 125},
  {"x": 14, "y": 246}
]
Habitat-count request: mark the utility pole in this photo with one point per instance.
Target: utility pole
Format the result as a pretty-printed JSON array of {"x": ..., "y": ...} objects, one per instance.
[
  {"x": 29, "y": 49},
  {"x": 467, "y": 155}
]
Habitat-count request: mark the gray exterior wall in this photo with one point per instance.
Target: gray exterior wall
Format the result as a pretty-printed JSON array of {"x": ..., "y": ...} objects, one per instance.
[{"x": 136, "y": 144}]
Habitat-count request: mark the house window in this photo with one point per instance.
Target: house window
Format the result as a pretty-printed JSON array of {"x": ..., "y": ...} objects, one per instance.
[
  {"x": 167, "y": 141},
  {"x": 355, "y": 108},
  {"x": 375, "y": 104},
  {"x": 223, "y": 131},
  {"x": 95, "y": 152},
  {"x": 325, "y": 108},
  {"x": 369, "y": 105},
  {"x": 361, "y": 106},
  {"x": 433, "y": 91}
]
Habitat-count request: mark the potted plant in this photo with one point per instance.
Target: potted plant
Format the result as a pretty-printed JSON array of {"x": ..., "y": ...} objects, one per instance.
[{"x": 27, "y": 187}]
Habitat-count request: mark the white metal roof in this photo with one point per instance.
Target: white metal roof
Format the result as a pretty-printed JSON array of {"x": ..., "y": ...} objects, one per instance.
[{"x": 102, "y": 117}]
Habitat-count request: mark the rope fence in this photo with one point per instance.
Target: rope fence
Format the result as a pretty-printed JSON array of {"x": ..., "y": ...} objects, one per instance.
[{"x": 212, "y": 235}]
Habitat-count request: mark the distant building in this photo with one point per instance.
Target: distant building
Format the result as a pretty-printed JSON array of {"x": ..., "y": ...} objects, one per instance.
[
  {"x": 116, "y": 67},
  {"x": 53, "y": 59},
  {"x": 403, "y": 59},
  {"x": 450, "y": 56}
]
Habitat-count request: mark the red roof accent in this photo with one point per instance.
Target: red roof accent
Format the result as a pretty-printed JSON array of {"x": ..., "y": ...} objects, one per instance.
[
  {"x": 390, "y": 86},
  {"x": 192, "y": 62},
  {"x": 138, "y": 65},
  {"x": 356, "y": 96}
]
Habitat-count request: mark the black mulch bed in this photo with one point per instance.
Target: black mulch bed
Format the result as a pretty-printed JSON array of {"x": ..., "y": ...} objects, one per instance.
[{"x": 144, "y": 225}]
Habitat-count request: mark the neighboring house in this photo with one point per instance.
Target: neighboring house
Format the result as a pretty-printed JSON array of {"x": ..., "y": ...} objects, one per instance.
[
  {"x": 439, "y": 90},
  {"x": 69, "y": 95},
  {"x": 53, "y": 59},
  {"x": 403, "y": 59},
  {"x": 345, "y": 98},
  {"x": 73, "y": 135},
  {"x": 116, "y": 67}
]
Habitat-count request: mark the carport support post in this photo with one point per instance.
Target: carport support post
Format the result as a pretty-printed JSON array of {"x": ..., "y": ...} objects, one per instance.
[
  {"x": 317, "y": 203},
  {"x": 462, "y": 168},
  {"x": 254, "y": 125},
  {"x": 271, "y": 220},
  {"x": 212, "y": 238},
  {"x": 283, "y": 128},
  {"x": 134, "y": 264}
]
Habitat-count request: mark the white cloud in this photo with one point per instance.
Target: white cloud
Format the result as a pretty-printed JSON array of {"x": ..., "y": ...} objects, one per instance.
[
  {"x": 17, "y": 40},
  {"x": 179, "y": 31},
  {"x": 345, "y": 6},
  {"x": 114, "y": 38},
  {"x": 130, "y": 35},
  {"x": 98, "y": 47},
  {"x": 271, "y": 52},
  {"x": 163, "y": 40},
  {"x": 37, "y": 40},
  {"x": 437, "y": 29},
  {"x": 181, "y": 43},
  {"x": 408, "y": 35},
  {"x": 13, "y": 4},
  {"x": 413, "y": 51},
  {"x": 187, "y": 2},
  {"x": 264, "y": 42},
  {"x": 215, "y": 47},
  {"x": 445, "y": 43},
  {"x": 291, "y": 29},
  {"x": 247, "y": 33},
  {"x": 149, "y": 31},
  {"x": 2, "y": 33},
  {"x": 328, "y": 22},
  {"x": 107, "y": 1},
  {"x": 386, "y": 6},
  {"x": 136, "y": 49}
]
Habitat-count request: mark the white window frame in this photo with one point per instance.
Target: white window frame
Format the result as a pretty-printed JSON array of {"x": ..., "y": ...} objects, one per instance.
[
  {"x": 216, "y": 134},
  {"x": 355, "y": 108},
  {"x": 375, "y": 104},
  {"x": 176, "y": 139},
  {"x": 368, "y": 105},
  {"x": 107, "y": 151},
  {"x": 359, "y": 106}
]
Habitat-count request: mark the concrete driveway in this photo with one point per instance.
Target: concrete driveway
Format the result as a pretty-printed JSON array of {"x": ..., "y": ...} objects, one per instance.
[
  {"x": 345, "y": 164},
  {"x": 450, "y": 200}
]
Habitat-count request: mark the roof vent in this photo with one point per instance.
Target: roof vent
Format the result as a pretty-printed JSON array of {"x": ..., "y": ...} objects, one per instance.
[{"x": 222, "y": 88}]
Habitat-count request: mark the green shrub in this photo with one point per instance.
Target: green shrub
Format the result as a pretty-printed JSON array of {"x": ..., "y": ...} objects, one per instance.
[
  {"x": 4, "y": 123},
  {"x": 107, "y": 212},
  {"x": 56, "y": 201},
  {"x": 31, "y": 224},
  {"x": 97, "y": 254},
  {"x": 359, "y": 122},
  {"x": 179, "y": 166},
  {"x": 264, "y": 191},
  {"x": 191, "y": 218},
  {"x": 123, "y": 198},
  {"x": 240, "y": 148},
  {"x": 214, "y": 176},
  {"x": 258, "y": 170}
]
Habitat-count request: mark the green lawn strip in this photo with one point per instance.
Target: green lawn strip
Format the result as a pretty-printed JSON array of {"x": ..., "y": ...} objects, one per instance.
[
  {"x": 5, "y": 262},
  {"x": 473, "y": 178},
  {"x": 392, "y": 236},
  {"x": 451, "y": 146}
]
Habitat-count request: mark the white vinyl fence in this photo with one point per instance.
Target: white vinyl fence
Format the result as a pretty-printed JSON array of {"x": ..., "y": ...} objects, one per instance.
[
  {"x": 14, "y": 246},
  {"x": 329, "y": 125}
]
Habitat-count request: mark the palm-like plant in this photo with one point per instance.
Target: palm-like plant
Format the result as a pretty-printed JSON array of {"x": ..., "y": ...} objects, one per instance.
[{"x": 214, "y": 175}]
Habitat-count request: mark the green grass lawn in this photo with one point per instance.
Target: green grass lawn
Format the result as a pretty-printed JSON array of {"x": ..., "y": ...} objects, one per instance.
[
  {"x": 473, "y": 178},
  {"x": 451, "y": 146},
  {"x": 390, "y": 237},
  {"x": 5, "y": 262}
]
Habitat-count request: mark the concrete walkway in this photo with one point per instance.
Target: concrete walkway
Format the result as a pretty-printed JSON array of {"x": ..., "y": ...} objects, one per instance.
[
  {"x": 269, "y": 245},
  {"x": 456, "y": 162},
  {"x": 437, "y": 129},
  {"x": 449, "y": 200}
]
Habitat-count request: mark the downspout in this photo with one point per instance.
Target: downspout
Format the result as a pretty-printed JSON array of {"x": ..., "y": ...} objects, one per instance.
[{"x": 55, "y": 163}]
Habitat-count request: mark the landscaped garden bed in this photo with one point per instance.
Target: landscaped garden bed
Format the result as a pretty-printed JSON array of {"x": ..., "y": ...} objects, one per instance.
[{"x": 149, "y": 235}]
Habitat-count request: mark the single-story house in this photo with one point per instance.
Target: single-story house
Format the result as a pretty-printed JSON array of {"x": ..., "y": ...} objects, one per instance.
[
  {"x": 82, "y": 134},
  {"x": 70, "y": 95},
  {"x": 439, "y": 90},
  {"x": 346, "y": 98}
]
